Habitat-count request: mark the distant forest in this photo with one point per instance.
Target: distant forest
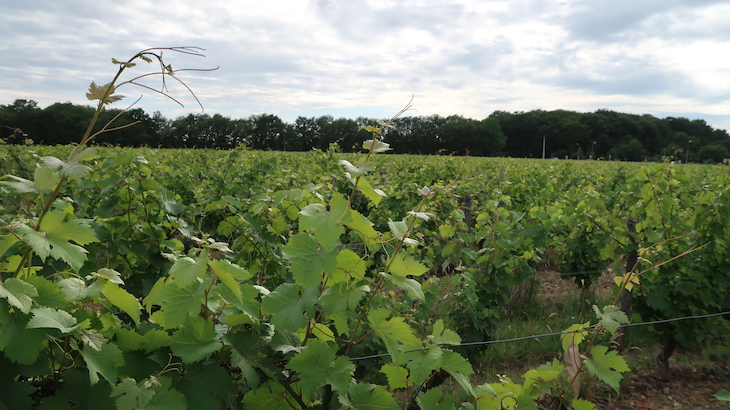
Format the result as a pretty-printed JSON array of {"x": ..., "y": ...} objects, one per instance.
[{"x": 603, "y": 134}]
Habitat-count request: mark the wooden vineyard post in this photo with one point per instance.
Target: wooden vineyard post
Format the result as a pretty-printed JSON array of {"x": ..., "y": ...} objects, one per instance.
[
  {"x": 626, "y": 297},
  {"x": 467, "y": 211}
]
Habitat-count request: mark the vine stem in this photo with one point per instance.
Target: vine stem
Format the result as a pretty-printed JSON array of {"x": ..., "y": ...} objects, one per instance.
[{"x": 381, "y": 282}]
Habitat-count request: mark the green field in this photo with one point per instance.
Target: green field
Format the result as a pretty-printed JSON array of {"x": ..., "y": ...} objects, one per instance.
[{"x": 157, "y": 278}]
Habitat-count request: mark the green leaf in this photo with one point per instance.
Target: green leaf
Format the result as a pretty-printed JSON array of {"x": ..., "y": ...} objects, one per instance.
[
  {"x": 111, "y": 275},
  {"x": 364, "y": 229},
  {"x": 49, "y": 294},
  {"x": 195, "y": 340},
  {"x": 20, "y": 185},
  {"x": 608, "y": 366},
  {"x": 459, "y": 368},
  {"x": 46, "y": 178},
  {"x": 130, "y": 395},
  {"x": 374, "y": 145},
  {"x": 55, "y": 236},
  {"x": 395, "y": 333},
  {"x": 7, "y": 242},
  {"x": 187, "y": 270},
  {"x": 104, "y": 362},
  {"x": 319, "y": 366},
  {"x": 723, "y": 395},
  {"x": 412, "y": 287},
  {"x": 97, "y": 92},
  {"x": 373, "y": 194},
  {"x": 73, "y": 230},
  {"x": 230, "y": 274},
  {"x": 123, "y": 300},
  {"x": 574, "y": 335},
  {"x": 21, "y": 345},
  {"x": 443, "y": 336},
  {"x": 19, "y": 293},
  {"x": 611, "y": 318},
  {"x": 269, "y": 396},
  {"x": 204, "y": 386},
  {"x": 399, "y": 229},
  {"x": 309, "y": 259},
  {"x": 326, "y": 225},
  {"x": 91, "y": 338},
  {"x": 422, "y": 363},
  {"x": 367, "y": 397},
  {"x": 403, "y": 265},
  {"x": 341, "y": 296},
  {"x": 288, "y": 309},
  {"x": 177, "y": 303},
  {"x": 430, "y": 400},
  {"x": 46, "y": 317},
  {"x": 580, "y": 404},
  {"x": 349, "y": 265},
  {"x": 397, "y": 376},
  {"x": 167, "y": 398}
]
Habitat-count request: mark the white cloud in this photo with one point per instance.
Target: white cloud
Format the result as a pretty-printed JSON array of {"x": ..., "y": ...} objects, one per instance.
[{"x": 367, "y": 57}]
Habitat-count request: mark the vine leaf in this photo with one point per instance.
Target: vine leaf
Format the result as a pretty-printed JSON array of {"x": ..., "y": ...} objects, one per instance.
[
  {"x": 230, "y": 273},
  {"x": 55, "y": 236},
  {"x": 403, "y": 265},
  {"x": 373, "y": 194},
  {"x": 195, "y": 340},
  {"x": 130, "y": 395},
  {"x": 104, "y": 362},
  {"x": 20, "y": 345},
  {"x": 574, "y": 335},
  {"x": 99, "y": 92},
  {"x": 349, "y": 265},
  {"x": 430, "y": 400},
  {"x": 19, "y": 293},
  {"x": 395, "y": 333},
  {"x": 443, "y": 336},
  {"x": 269, "y": 396},
  {"x": 580, "y": 404},
  {"x": 287, "y": 308},
  {"x": 320, "y": 366},
  {"x": 186, "y": 270},
  {"x": 177, "y": 303},
  {"x": 109, "y": 274},
  {"x": 375, "y": 145},
  {"x": 123, "y": 300},
  {"x": 397, "y": 376},
  {"x": 309, "y": 259},
  {"x": 326, "y": 225},
  {"x": 46, "y": 317},
  {"x": 611, "y": 318},
  {"x": 608, "y": 366},
  {"x": 411, "y": 286},
  {"x": 364, "y": 229},
  {"x": 368, "y": 396},
  {"x": 422, "y": 363}
]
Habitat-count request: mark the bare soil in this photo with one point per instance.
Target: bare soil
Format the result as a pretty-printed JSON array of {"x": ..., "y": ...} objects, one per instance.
[{"x": 690, "y": 386}]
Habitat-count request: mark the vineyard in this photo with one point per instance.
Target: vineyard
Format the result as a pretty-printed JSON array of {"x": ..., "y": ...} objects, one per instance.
[
  {"x": 226, "y": 279},
  {"x": 215, "y": 278}
]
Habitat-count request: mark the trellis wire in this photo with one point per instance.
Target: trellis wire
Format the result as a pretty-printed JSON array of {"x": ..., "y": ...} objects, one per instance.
[{"x": 517, "y": 339}]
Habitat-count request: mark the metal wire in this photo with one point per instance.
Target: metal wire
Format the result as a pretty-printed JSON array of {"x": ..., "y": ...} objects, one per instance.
[{"x": 517, "y": 339}]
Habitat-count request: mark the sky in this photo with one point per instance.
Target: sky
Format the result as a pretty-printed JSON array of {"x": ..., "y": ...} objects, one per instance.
[{"x": 352, "y": 58}]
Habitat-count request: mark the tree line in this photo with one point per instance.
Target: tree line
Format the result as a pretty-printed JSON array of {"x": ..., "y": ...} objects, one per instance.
[{"x": 602, "y": 134}]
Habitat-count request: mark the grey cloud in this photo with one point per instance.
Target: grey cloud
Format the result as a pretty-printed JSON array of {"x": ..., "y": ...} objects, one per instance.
[{"x": 612, "y": 20}]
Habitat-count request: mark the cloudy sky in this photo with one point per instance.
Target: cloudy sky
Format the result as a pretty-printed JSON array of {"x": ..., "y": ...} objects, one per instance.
[{"x": 350, "y": 58}]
